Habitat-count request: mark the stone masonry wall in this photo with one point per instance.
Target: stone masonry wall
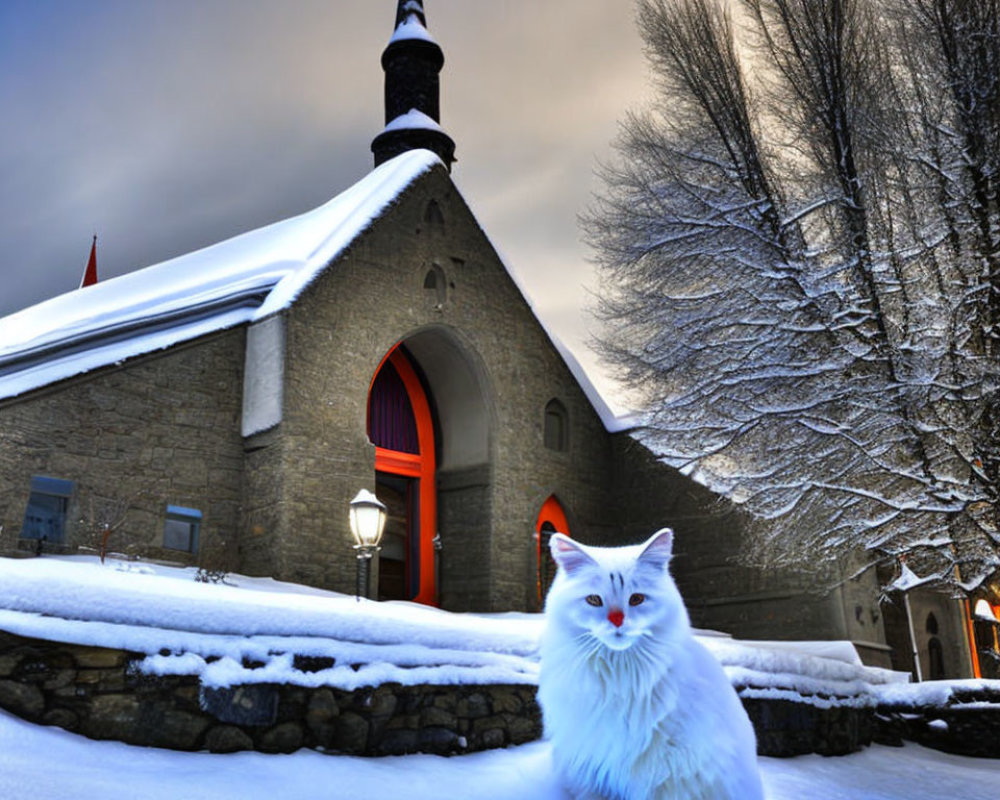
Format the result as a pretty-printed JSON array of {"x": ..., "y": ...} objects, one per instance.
[
  {"x": 967, "y": 723},
  {"x": 707, "y": 538},
  {"x": 373, "y": 297},
  {"x": 721, "y": 590},
  {"x": 98, "y": 693},
  {"x": 160, "y": 429}
]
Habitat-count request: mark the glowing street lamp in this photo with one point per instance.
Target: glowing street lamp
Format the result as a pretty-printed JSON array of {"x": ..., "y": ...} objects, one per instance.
[
  {"x": 368, "y": 515},
  {"x": 984, "y": 611}
]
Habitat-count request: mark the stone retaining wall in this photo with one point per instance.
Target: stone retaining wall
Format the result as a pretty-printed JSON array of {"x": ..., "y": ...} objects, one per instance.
[
  {"x": 99, "y": 692},
  {"x": 968, "y": 725},
  {"x": 785, "y": 728}
]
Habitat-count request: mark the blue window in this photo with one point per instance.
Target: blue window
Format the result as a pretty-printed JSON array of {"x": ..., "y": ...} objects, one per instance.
[
  {"x": 45, "y": 516},
  {"x": 181, "y": 529}
]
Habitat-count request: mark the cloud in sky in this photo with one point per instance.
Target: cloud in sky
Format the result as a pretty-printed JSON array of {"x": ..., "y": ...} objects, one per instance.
[{"x": 167, "y": 125}]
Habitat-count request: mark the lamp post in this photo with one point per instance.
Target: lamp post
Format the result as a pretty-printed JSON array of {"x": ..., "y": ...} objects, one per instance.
[{"x": 367, "y": 523}]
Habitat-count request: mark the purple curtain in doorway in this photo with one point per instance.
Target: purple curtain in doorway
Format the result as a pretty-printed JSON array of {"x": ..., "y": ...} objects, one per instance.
[{"x": 391, "y": 423}]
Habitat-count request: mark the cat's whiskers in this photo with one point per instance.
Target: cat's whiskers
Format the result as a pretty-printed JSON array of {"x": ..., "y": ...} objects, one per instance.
[{"x": 592, "y": 646}]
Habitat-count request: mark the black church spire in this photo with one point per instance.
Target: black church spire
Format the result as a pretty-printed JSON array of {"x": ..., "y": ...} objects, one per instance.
[
  {"x": 404, "y": 8},
  {"x": 412, "y": 61}
]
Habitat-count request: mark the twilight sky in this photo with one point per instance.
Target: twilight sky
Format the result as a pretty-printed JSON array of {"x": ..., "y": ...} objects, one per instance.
[{"x": 167, "y": 125}]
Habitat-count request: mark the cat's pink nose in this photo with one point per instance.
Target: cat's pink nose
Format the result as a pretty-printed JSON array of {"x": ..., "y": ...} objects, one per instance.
[{"x": 616, "y": 617}]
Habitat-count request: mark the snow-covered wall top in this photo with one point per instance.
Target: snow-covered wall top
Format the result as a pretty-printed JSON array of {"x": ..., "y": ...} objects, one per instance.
[
  {"x": 193, "y": 628},
  {"x": 148, "y": 608}
]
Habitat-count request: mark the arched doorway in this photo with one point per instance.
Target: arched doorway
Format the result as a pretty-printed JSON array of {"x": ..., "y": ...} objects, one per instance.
[
  {"x": 401, "y": 427},
  {"x": 434, "y": 384},
  {"x": 551, "y": 519}
]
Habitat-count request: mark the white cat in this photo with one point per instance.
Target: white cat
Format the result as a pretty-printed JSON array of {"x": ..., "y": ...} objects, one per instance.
[{"x": 634, "y": 707}]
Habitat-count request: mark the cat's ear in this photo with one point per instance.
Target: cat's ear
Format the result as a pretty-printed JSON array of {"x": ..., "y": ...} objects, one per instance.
[
  {"x": 658, "y": 548},
  {"x": 568, "y": 554}
]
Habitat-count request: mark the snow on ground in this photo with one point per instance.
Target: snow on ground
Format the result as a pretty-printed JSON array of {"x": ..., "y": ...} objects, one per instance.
[
  {"x": 39, "y": 763},
  {"x": 151, "y": 608}
]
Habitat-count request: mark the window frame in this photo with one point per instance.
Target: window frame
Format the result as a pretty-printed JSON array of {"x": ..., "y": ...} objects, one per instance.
[
  {"x": 193, "y": 518},
  {"x": 43, "y": 486}
]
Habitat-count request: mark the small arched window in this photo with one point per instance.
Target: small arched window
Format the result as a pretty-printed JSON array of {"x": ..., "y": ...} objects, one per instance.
[
  {"x": 435, "y": 286},
  {"x": 932, "y": 624},
  {"x": 556, "y": 435},
  {"x": 935, "y": 658},
  {"x": 433, "y": 215}
]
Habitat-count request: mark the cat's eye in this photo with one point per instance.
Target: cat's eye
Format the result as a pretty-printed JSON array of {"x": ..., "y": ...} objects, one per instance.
[
  {"x": 636, "y": 599},
  {"x": 594, "y": 600}
]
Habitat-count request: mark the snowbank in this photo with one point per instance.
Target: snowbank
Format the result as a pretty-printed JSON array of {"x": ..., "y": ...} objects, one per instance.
[
  {"x": 212, "y": 630},
  {"x": 249, "y": 630},
  {"x": 939, "y": 694}
]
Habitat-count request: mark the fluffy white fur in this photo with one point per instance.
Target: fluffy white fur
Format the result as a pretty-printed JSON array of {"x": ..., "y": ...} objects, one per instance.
[{"x": 639, "y": 711}]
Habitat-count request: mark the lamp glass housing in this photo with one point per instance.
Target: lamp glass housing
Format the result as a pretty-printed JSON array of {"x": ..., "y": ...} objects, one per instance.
[
  {"x": 984, "y": 611},
  {"x": 368, "y": 516}
]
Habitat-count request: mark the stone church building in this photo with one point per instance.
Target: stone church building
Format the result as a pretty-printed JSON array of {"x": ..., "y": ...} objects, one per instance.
[{"x": 222, "y": 409}]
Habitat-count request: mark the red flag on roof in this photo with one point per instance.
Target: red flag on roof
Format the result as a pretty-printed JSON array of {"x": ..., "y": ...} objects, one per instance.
[{"x": 90, "y": 273}]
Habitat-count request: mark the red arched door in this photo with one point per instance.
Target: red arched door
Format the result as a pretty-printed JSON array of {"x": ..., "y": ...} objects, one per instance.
[
  {"x": 402, "y": 429},
  {"x": 551, "y": 519}
]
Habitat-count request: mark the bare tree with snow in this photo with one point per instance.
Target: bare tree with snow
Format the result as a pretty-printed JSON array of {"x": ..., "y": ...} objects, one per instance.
[{"x": 793, "y": 288}]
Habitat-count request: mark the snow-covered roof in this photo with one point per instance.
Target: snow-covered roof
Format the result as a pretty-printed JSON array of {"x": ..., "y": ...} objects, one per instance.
[
  {"x": 907, "y": 580},
  {"x": 237, "y": 281},
  {"x": 242, "y": 279}
]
